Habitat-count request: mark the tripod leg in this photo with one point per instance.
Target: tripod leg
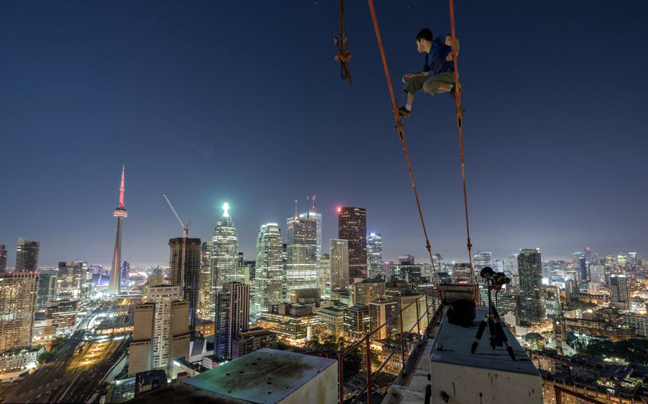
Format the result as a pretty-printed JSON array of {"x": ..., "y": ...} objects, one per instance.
[
  {"x": 492, "y": 329},
  {"x": 502, "y": 335},
  {"x": 480, "y": 332}
]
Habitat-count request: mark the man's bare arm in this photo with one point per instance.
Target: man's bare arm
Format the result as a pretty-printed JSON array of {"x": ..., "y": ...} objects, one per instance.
[
  {"x": 410, "y": 75},
  {"x": 448, "y": 42}
]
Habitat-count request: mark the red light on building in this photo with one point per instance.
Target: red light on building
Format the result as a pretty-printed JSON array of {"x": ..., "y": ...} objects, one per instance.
[{"x": 339, "y": 210}]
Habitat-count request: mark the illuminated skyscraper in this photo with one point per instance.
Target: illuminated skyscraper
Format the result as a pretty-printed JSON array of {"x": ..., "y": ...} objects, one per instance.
[
  {"x": 619, "y": 290},
  {"x": 185, "y": 257},
  {"x": 597, "y": 273},
  {"x": 312, "y": 214},
  {"x": 374, "y": 255},
  {"x": 339, "y": 264},
  {"x": 125, "y": 272},
  {"x": 511, "y": 265},
  {"x": 352, "y": 226},
  {"x": 206, "y": 304},
  {"x": 3, "y": 258},
  {"x": 324, "y": 275},
  {"x": 74, "y": 280},
  {"x": 224, "y": 254},
  {"x": 269, "y": 267},
  {"x": 232, "y": 317},
  {"x": 18, "y": 293},
  {"x": 530, "y": 268},
  {"x": 482, "y": 259},
  {"x": 114, "y": 284},
  {"x": 160, "y": 332},
  {"x": 301, "y": 249},
  {"x": 27, "y": 255}
]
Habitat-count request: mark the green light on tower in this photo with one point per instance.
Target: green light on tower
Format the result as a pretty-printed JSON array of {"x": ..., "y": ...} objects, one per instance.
[{"x": 226, "y": 209}]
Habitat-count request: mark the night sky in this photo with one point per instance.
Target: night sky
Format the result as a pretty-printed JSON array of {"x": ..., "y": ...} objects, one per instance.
[{"x": 214, "y": 101}]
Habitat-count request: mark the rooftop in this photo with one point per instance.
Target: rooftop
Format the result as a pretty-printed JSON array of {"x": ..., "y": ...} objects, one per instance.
[
  {"x": 264, "y": 376},
  {"x": 452, "y": 345}
]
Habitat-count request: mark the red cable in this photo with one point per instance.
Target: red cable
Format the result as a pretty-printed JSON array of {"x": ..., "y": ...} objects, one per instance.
[
  {"x": 401, "y": 134},
  {"x": 459, "y": 112}
]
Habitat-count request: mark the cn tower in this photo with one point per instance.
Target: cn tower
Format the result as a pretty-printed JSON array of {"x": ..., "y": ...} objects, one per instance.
[{"x": 120, "y": 213}]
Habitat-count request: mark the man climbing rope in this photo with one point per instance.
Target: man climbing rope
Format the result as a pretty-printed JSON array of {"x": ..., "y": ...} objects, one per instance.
[{"x": 437, "y": 76}]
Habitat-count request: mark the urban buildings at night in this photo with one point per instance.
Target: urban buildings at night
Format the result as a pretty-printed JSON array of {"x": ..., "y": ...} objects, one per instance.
[
  {"x": 27, "y": 255},
  {"x": 185, "y": 259},
  {"x": 232, "y": 317},
  {"x": 530, "y": 269},
  {"x": 375, "y": 255},
  {"x": 224, "y": 254},
  {"x": 301, "y": 249},
  {"x": 269, "y": 268},
  {"x": 352, "y": 227},
  {"x": 466, "y": 286}
]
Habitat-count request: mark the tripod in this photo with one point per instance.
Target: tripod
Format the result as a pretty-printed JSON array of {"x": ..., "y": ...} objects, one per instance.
[{"x": 497, "y": 335}]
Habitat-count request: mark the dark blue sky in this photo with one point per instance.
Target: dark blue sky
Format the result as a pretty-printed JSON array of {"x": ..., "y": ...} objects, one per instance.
[{"x": 241, "y": 102}]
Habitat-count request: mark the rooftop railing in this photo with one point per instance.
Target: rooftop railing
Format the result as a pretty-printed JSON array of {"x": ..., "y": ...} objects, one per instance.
[{"x": 423, "y": 319}]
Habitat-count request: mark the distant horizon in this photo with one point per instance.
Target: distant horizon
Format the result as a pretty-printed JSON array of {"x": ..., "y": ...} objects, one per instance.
[{"x": 418, "y": 259}]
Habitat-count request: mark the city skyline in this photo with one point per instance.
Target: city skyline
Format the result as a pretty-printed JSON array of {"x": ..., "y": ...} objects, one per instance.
[
  {"x": 538, "y": 176},
  {"x": 249, "y": 248}
]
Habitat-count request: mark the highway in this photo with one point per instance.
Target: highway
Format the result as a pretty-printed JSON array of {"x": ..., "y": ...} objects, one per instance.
[{"x": 76, "y": 371}]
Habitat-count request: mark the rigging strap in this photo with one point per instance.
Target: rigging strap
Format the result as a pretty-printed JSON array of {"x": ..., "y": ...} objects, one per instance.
[{"x": 343, "y": 55}]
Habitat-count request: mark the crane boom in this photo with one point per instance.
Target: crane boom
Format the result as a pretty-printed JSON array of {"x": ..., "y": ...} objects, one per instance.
[{"x": 185, "y": 228}]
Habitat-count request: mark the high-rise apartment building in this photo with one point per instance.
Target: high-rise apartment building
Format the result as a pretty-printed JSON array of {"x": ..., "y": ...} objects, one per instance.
[
  {"x": 3, "y": 258},
  {"x": 185, "y": 257},
  {"x": 114, "y": 283},
  {"x": 206, "y": 299},
  {"x": 125, "y": 273},
  {"x": 232, "y": 317},
  {"x": 380, "y": 311},
  {"x": 317, "y": 217},
  {"x": 531, "y": 308},
  {"x": 597, "y": 273},
  {"x": 324, "y": 275},
  {"x": 301, "y": 249},
  {"x": 47, "y": 286},
  {"x": 374, "y": 255},
  {"x": 368, "y": 290},
  {"x": 18, "y": 293},
  {"x": 481, "y": 260},
  {"x": 511, "y": 265},
  {"x": 619, "y": 290},
  {"x": 27, "y": 255},
  {"x": 161, "y": 332},
  {"x": 352, "y": 226},
  {"x": 269, "y": 268},
  {"x": 74, "y": 280},
  {"x": 582, "y": 269},
  {"x": 224, "y": 251},
  {"x": 339, "y": 264}
]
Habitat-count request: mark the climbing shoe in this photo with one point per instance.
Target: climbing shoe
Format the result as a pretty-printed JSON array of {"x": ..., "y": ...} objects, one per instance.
[{"x": 404, "y": 112}]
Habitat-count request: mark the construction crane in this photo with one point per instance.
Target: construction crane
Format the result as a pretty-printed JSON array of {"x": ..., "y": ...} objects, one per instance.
[{"x": 185, "y": 227}]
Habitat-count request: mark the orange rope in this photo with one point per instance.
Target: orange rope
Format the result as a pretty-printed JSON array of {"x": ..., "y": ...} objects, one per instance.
[
  {"x": 459, "y": 113},
  {"x": 401, "y": 135}
]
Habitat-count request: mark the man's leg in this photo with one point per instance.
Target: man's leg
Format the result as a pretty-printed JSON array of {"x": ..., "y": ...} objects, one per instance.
[
  {"x": 413, "y": 85},
  {"x": 439, "y": 83}
]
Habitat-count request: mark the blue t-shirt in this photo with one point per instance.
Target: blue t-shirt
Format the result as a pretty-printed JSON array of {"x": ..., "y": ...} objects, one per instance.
[{"x": 435, "y": 61}]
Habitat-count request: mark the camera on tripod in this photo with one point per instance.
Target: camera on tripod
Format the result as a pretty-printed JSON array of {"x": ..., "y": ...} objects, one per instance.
[{"x": 495, "y": 279}]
